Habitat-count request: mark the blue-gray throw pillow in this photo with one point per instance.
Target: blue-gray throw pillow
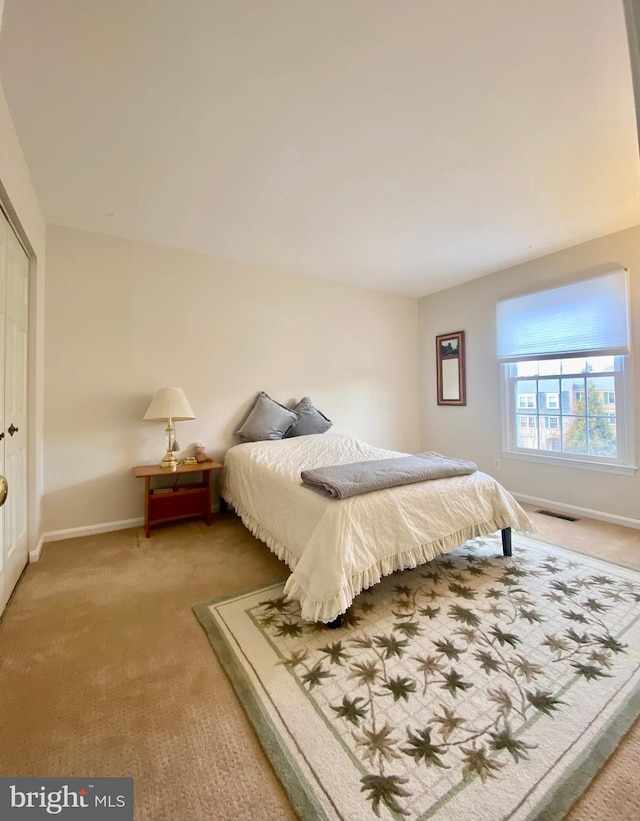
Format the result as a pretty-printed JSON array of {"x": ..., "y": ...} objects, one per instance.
[
  {"x": 267, "y": 419},
  {"x": 310, "y": 421}
]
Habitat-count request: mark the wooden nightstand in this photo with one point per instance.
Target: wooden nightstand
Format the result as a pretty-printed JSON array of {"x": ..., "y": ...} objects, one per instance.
[{"x": 176, "y": 501}]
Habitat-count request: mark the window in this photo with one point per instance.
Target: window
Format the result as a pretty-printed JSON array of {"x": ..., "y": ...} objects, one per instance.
[
  {"x": 576, "y": 427},
  {"x": 527, "y": 400},
  {"x": 528, "y": 421},
  {"x": 564, "y": 356}
]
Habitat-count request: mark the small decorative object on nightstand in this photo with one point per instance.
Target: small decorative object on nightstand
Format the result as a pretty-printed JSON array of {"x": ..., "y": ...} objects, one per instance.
[
  {"x": 199, "y": 452},
  {"x": 166, "y": 504}
]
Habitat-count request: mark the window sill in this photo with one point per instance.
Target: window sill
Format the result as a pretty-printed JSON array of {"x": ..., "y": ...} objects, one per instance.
[{"x": 576, "y": 464}]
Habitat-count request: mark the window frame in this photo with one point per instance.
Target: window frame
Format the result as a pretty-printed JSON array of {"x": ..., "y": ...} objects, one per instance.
[{"x": 623, "y": 463}]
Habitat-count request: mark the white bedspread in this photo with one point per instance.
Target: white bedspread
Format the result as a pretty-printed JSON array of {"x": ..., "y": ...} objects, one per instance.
[{"x": 336, "y": 548}]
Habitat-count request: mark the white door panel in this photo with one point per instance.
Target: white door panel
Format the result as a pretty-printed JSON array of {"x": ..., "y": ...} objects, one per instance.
[
  {"x": 5, "y": 591},
  {"x": 14, "y": 295}
]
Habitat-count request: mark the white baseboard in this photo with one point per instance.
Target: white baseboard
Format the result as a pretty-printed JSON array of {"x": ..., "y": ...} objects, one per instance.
[
  {"x": 75, "y": 532},
  {"x": 574, "y": 510},
  {"x": 34, "y": 555}
]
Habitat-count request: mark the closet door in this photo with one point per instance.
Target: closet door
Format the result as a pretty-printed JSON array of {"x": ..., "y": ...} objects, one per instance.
[
  {"x": 5, "y": 590},
  {"x": 13, "y": 410}
]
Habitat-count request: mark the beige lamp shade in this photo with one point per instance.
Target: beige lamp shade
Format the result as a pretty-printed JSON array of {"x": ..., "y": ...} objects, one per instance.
[{"x": 169, "y": 403}]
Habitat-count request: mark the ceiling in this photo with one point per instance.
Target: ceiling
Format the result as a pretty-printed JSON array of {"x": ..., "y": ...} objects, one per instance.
[{"x": 403, "y": 146}]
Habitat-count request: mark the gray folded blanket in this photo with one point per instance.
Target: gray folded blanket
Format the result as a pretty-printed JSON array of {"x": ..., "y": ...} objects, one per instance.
[{"x": 340, "y": 481}]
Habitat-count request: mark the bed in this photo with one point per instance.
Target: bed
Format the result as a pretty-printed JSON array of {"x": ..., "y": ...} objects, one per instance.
[{"x": 337, "y": 548}]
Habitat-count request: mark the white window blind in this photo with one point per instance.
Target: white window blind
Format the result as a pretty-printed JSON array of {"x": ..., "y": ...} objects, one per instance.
[{"x": 584, "y": 318}]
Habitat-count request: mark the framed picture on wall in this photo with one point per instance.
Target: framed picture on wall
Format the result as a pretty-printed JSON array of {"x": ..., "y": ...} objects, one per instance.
[{"x": 450, "y": 369}]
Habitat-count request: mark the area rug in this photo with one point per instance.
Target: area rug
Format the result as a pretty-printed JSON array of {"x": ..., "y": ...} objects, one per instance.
[{"x": 474, "y": 686}]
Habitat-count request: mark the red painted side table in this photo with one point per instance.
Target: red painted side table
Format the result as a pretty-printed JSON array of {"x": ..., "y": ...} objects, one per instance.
[{"x": 177, "y": 501}]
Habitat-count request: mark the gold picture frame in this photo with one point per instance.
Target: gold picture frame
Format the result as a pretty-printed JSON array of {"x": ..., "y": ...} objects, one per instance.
[{"x": 452, "y": 388}]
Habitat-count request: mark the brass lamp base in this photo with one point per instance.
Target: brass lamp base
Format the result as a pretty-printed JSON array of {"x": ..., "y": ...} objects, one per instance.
[{"x": 169, "y": 461}]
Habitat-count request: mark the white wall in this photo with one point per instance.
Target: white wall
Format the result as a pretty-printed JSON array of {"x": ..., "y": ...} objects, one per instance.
[
  {"x": 123, "y": 318},
  {"x": 19, "y": 200},
  {"x": 474, "y": 431}
]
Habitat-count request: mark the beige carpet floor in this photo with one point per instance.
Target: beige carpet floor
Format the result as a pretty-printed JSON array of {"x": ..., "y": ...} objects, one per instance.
[{"x": 105, "y": 671}]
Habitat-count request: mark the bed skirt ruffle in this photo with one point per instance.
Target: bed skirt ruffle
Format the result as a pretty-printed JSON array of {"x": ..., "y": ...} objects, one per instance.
[
  {"x": 328, "y": 610},
  {"x": 257, "y": 530}
]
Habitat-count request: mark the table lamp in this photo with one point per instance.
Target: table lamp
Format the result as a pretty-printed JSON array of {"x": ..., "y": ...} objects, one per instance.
[{"x": 169, "y": 405}]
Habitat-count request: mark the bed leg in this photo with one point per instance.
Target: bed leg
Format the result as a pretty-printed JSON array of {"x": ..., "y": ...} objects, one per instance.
[
  {"x": 506, "y": 541},
  {"x": 337, "y": 622}
]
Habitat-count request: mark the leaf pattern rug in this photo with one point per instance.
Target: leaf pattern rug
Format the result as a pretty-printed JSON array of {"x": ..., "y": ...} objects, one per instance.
[{"x": 474, "y": 686}]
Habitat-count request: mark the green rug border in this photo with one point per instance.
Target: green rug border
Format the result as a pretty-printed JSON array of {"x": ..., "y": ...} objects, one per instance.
[
  {"x": 587, "y": 766},
  {"x": 553, "y": 808},
  {"x": 306, "y": 806}
]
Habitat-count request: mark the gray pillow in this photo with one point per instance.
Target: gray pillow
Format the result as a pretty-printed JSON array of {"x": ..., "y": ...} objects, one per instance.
[
  {"x": 310, "y": 421},
  {"x": 267, "y": 419}
]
